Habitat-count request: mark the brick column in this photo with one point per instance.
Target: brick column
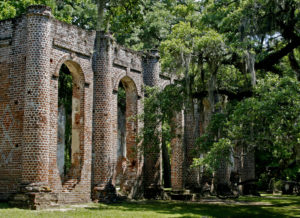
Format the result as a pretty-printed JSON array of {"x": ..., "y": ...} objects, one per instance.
[
  {"x": 114, "y": 104},
  {"x": 36, "y": 138},
  {"x": 248, "y": 167},
  {"x": 152, "y": 162},
  {"x": 221, "y": 175},
  {"x": 177, "y": 160},
  {"x": 102, "y": 120},
  {"x": 245, "y": 166},
  {"x": 191, "y": 133}
]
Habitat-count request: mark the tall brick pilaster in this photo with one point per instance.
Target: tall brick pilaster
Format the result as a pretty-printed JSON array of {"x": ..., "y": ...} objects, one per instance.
[
  {"x": 222, "y": 175},
  {"x": 35, "y": 157},
  {"x": 248, "y": 167},
  {"x": 245, "y": 166},
  {"x": 191, "y": 133},
  {"x": 152, "y": 162},
  {"x": 178, "y": 154},
  {"x": 102, "y": 120},
  {"x": 151, "y": 69}
]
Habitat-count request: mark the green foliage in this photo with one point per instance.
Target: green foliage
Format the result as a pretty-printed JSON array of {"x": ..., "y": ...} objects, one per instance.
[
  {"x": 268, "y": 122},
  {"x": 273, "y": 116},
  {"x": 159, "y": 108},
  {"x": 7, "y": 10},
  {"x": 123, "y": 16},
  {"x": 82, "y": 13},
  {"x": 157, "y": 19},
  {"x": 12, "y": 8},
  {"x": 219, "y": 152}
]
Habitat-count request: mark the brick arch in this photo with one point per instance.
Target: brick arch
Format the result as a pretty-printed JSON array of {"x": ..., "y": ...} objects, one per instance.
[
  {"x": 131, "y": 110},
  {"x": 127, "y": 162},
  {"x": 78, "y": 110},
  {"x": 129, "y": 84},
  {"x": 123, "y": 77},
  {"x": 72, "y": 61}
]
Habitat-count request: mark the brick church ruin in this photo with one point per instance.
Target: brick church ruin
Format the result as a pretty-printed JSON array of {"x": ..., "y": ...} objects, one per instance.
[{"x": 33, "y": 50}]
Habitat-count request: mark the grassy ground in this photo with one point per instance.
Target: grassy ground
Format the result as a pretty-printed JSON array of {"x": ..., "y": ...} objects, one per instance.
[{"x": 266, "y": 206}]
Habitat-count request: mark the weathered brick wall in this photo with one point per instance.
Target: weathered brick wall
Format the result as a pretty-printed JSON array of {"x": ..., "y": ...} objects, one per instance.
[
  {"x": 32, "y": 50},
  {"x": 12, "y": 77},
  {"x": 178, "y": 153},
  {"x": 77, "y": 56},
  {"x": 244, "y": 165}
]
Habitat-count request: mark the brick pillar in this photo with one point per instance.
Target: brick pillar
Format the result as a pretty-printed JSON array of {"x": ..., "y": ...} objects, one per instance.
[
  {"x": 36, "y": 137},
  {"x": 191, "y": 133},
  {"x": 246, "y": 169},
  {"x": 102, "y": 120},
  {"x": 115, "y": 135},
  {"x": 222, "y": 175},
  {"x": 177, "y": 160},
  {"x": 152, "y": 162}
]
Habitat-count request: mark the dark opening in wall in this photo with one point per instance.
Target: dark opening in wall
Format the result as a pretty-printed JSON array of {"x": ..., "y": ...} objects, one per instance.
[
  {"x": 127, "y": 151},
  {"x": 121, "y": 152},
  {"x": 70, "y": 125},
  {"x": 65, "y": 92}
]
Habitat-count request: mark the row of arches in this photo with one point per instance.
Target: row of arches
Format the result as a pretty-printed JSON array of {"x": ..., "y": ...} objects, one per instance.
[{"x": 70, "y": 128}]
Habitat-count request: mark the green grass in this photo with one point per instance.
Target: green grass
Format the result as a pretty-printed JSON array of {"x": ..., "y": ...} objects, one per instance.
[{"x": 268, "y": 206}]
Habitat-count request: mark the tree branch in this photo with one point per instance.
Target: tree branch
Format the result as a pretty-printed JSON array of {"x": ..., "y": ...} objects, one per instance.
[
  {"x": 273, "y": 58},
  {"x": 240, "y": 95}
]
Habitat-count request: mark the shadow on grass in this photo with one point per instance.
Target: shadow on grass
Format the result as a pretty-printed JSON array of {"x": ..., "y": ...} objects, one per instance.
[
  {"x": 181, "y": 209},
  {"x": 4, "y": 205}
]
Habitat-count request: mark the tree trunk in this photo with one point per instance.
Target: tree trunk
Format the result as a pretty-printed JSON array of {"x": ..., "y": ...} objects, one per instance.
[{"x": 100, "y": 18}]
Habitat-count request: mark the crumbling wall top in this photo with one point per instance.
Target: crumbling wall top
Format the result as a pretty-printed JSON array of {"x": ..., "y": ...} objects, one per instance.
[{"x": 39, "y": 10}]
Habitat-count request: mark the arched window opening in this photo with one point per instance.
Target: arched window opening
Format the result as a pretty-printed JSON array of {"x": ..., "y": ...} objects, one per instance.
[
  {"x": 70, "y": 120},
  {"x": 166, "y": 152},
  {"x": 121, "y": 151},
  {"x": 65, "y": 93},
  {"x": 127, "y": 163}
]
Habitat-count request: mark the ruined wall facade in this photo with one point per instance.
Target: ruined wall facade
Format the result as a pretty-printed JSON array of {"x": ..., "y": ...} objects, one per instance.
[
  {"x": 33, "y": 49},
  {"x": 12, "y": 77}
]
